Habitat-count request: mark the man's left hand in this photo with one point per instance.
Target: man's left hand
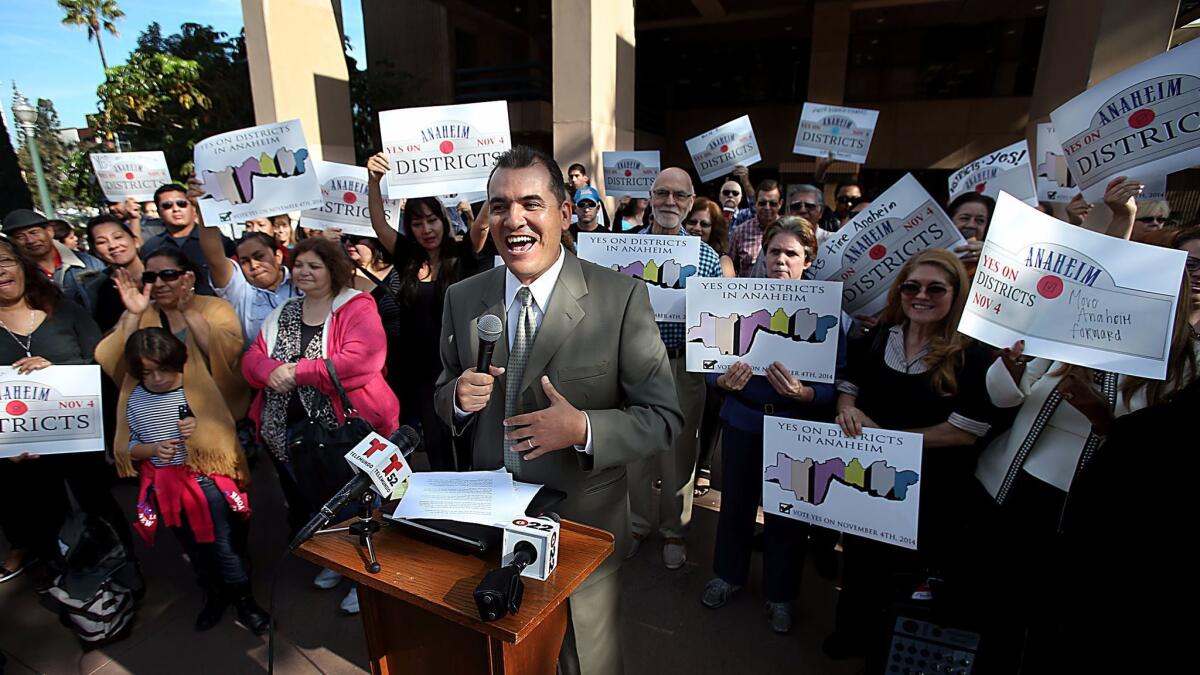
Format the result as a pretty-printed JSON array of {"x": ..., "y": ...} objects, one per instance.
[{"x": 562, "y": 425}]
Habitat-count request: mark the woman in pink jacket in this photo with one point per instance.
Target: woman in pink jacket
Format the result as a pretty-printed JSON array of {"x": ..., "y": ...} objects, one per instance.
[{"x": 286, "y": 365}]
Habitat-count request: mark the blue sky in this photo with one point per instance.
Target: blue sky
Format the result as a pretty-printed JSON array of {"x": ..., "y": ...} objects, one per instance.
[{"x": 50, "y": 60}]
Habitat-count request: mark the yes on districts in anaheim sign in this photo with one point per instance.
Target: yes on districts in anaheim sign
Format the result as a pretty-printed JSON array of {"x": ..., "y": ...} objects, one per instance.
[
  {"x": 663, "y": 262},
  {"x": 445, "y": 149},
  {"x": 1073, "y": 295},
  {"x": 1142, "y": 123},
  {"x": 868, "y": 252},
  {"x": 51, "y": 411},
  {"x": 130, "y": 174},
  {"x": 1054, "y": 182}
]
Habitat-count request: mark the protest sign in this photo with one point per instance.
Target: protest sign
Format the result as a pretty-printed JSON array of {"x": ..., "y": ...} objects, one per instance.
[
  {"x": 1006, "y": 169},
  {"x": 630, "y": 173},
  {"x": 1155, "y": 189},
  {"x": 443, "y": 149},
  {"x": 130, "y": 174},
  {"x": 1141, "y": 123},
  {"x": 1073, "y": 295},
  {"x": 760, "y": 321},
  {"x": 868, "y": 252},
  {"x": 451, "y": 201},
  {"x": 868, "y": 485},
  {"x": 844, "y": 132},
  {"x": 50, "y": 411},
  {"x": 663, "y": 262},
  {"x": 1054, "y": 182},
  {"x": 344, "y": 191},
  {"x": 717, "y": 151},
  {"x": 256, "y": 173}
]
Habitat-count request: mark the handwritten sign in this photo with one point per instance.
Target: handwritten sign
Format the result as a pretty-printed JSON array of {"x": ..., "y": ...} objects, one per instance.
[
  {"x": 130, "y": 174},
  {"x": 844, "y": 132},
  {"x": 663, "y": 262},
  {"x": 1073, "y": 295},
  {"x": 51, "y": 411},
  {"x": 717, "y": 151},
  {"x": 443, "y": 149},
  {"x": 1005, "y": 170},
  {"x": 630, "y": 173},
  {"x": 344, "y": 191}
]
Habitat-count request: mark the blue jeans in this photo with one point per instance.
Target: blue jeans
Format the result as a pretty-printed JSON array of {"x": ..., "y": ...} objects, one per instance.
[{"x": 224, "y": 560}]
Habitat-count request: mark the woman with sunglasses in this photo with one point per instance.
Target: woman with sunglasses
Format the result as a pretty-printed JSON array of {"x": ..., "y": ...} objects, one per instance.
[
  {"x": 917, "y": 374},
  {"x": 971, "y": 213},
  {"x": 706, "y": 221}
]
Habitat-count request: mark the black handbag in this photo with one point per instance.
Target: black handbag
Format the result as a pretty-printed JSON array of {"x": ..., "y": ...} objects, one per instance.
[{"x": 318, "y": 452}]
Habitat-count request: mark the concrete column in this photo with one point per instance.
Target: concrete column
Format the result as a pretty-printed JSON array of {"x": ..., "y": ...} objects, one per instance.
[
  {"x": 830, "y": 48},
  {"x": 593, "y": 81},
  {"x": 298, "y": 70}
]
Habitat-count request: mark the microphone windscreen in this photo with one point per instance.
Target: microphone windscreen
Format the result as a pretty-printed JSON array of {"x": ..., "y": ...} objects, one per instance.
[
  {"x": 489, "y": 328},
  {"x": 406, "y": 437}
]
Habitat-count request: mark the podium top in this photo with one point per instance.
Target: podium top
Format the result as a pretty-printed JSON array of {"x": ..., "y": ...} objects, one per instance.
[{"x": 443, "y": 582}]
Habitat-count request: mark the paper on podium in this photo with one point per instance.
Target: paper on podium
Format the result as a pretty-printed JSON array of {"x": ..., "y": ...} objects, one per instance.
[{"x": 481, "y": 497}]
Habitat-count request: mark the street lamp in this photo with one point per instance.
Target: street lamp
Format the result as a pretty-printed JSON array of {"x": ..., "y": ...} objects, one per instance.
[{"x": 27, "y": 116}]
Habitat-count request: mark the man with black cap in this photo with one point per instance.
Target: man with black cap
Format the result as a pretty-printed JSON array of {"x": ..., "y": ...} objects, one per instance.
[{"x": 33, "y": 237}]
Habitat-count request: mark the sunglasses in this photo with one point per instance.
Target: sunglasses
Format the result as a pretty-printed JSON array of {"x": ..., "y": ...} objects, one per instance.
[
  {"x": 165, "y": 275},
  {"x": 933, "y": 291},
  {"x": 1157, "y": 220},
  {"x": 730, "y": 193},
  {"x": 1192, "y": 264},
  {"x": 852, "y": 201},
  {"x": 696, "y": 221},
  {"x": 807, "y": 206},
  {"x": 586, "y": 204},
  {"x": 178, "y": 203},
  {"x": 768, "y": 203}
]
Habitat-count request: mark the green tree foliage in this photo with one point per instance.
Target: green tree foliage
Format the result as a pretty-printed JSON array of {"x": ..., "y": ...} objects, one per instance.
[
  {"x": 98, "y": 16},
  {"x": 53, "y": 152}
]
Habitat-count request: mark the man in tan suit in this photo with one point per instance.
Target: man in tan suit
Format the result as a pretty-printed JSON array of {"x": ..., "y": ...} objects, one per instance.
[{"x": 595, "y": 391}]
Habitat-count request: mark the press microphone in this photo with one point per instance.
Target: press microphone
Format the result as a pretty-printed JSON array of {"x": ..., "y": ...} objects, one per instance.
[
  {"x": 488, "y": 328},
  {"x": 380, "y": 464},
  {"x": 501, "y": 590}
]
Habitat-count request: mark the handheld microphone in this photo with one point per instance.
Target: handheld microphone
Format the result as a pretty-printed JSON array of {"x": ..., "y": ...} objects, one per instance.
[
  {"x": 379, "y": 465},
  {"x": 488, "y": 328},
  {"x": 501, "y": 590}
]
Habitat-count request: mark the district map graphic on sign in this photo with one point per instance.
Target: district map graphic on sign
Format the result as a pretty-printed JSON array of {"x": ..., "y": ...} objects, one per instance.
[
  {"x": 735, "y": 334},
  {"x": 235, "y": 184},
  {"x": 810, "y": 479},
  {"x": 669, "y": 274}
]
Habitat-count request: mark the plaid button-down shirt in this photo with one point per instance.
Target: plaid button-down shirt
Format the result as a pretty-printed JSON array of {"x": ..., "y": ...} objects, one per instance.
[{"x": 673, "y": 332}]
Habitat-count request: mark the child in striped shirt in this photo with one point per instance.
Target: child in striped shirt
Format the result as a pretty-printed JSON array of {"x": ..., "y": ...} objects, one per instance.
[{"x": 207, "y": 513}]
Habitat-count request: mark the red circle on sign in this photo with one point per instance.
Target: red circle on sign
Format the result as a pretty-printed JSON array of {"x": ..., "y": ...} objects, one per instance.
[
  {"x": 349, "y": 197},
  {"x": 979, "y": 188},
  {"x": 1141, "y": 118},
  {"x": 724, "y": 148},
  {"x": 628, "y": 173},
  {"x": 128, "y": 175},
  {"x": 446, "y": 147},
  {"x": 16, "y": 408},
  {"x": 1050, "y": 287},
  {"x": 877, "y": 251}
]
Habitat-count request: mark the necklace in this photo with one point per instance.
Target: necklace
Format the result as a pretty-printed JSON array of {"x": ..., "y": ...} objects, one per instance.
[{"x": 28, "y": 342}]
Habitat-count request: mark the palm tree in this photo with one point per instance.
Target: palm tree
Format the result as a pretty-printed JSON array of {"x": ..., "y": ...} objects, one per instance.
[{"x": 97, "y": 15}]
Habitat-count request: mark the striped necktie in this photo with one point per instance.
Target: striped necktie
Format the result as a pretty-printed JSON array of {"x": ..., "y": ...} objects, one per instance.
[{"x": 515, "y": 371}]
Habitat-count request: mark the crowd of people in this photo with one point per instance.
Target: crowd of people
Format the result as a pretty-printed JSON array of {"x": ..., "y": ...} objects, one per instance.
[{"x": 217, "y": 354}]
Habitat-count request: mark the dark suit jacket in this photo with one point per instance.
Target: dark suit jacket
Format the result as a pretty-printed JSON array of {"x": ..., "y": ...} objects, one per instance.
[{"x": 598, "y": 344}]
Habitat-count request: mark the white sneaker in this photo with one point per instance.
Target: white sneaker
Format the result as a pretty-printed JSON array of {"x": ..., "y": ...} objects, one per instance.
[
  {"x": 350, "y": 602},
  {"x": 327, "y": 579}
]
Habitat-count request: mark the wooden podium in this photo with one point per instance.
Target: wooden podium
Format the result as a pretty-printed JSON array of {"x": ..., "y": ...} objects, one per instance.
[{"x": 419, "y": 610}]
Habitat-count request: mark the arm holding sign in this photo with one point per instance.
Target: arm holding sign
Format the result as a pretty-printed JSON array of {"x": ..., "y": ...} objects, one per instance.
[
  {"x": 1120, "y": 198},
  {"x": 220, "y": 268},
  {"x": 377, "y": 167}
]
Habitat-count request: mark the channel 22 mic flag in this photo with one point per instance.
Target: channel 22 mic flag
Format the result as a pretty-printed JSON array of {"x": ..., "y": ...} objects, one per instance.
[
  {"x": 50, "y": 411},
  {"x": 256, "y": 173},
  {"x": 1005, "y": 170},
  {"x": 130, "y": 174},
  {"x": 443, "y": 149},
  {"x": 833, "y": 129},
  {"x": 1141, "y": 123},
  {"x": 1073, "y": 295},
  {"x": 344, "y": 191},
  {"x": 630, "y": 173},
  {"x": 717, "y": 151}
]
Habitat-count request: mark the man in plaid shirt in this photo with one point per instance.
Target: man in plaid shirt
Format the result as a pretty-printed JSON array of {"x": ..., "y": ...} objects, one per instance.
[
  {"x": 671, "y": 200},
  {"x": 746, "y": 242}
]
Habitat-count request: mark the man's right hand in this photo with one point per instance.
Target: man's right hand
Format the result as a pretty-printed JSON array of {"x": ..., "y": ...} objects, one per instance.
[{"x": 474, "y": 389}]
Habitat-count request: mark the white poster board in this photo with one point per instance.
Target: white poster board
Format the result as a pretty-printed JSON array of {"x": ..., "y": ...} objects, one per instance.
[
  {"x": 717, "y": 151},
  {"x": 1054, "y": 182},
  {"x": 51, "y": 411},
  {"x": 1005, "y": 170},
  {"x": 868, "y": 252},
  {"x": 443, "y": 149},
  {"x": 344, "y": 207},
  {"x": 760, "y": 321},
  {"x": 844, "y": 132},
  {"x": 258, "y": 172},
  {"x": 130, "y": 174},
  {"x": 663, "y": 262},
  {"x": 1155, "y": 189},
  {"x": 1073, "y": 295},
  {"x": 630, "y": 173},
  {"x": 868, "y": 486},
  {"x": 1141, "y": 123}
]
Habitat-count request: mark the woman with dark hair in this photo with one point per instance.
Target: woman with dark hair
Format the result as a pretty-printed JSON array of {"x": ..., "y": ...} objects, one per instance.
[
  {"x": 287, "y": 366},
  {"x": 971, "y": 213},
  {"x": 914, "y": 373},
  {"x": 42, "y": 328},
  {"x": 429, "y": 260},
  {"x": 707, "y": 222}
]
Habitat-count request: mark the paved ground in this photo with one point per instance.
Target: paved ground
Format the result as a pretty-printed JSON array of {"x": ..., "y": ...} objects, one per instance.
[{"x": 665, "y": 629}]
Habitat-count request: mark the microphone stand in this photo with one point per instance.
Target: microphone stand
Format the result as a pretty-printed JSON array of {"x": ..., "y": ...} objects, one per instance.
[{"x": 365, "y": 528}]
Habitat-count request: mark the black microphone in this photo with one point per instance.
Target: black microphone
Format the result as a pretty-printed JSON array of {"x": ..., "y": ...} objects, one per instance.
[
  {"x": 501, "y": 590},
  {"x": 489, "y": 328},
  {"x": 405, "y": 438}
]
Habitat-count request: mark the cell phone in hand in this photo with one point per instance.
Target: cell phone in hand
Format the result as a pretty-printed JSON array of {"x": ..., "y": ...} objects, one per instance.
[{"x": 185, "y": 411}]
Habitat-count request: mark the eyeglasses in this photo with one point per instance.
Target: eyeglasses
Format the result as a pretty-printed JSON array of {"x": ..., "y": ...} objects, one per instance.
[
  {"x": 679, "y": 195},
  {"x": 852, "y": 201},
  {"x": 912, "y": 288},
  {"x": 768, "y": 203},
  {"x": 165, "y": 275},
  {"x": 730, "y": 193},
  {"x": 697, "y": 221},
  {"x": 9, "y": 263},
  {"x": 178, "y": 203},
  {"x": 1156, "y": 220},
  {"x": 586, "y": 204},
  {"x": 805, "y": 206},
  {"x": 1192, "y": 264}
]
